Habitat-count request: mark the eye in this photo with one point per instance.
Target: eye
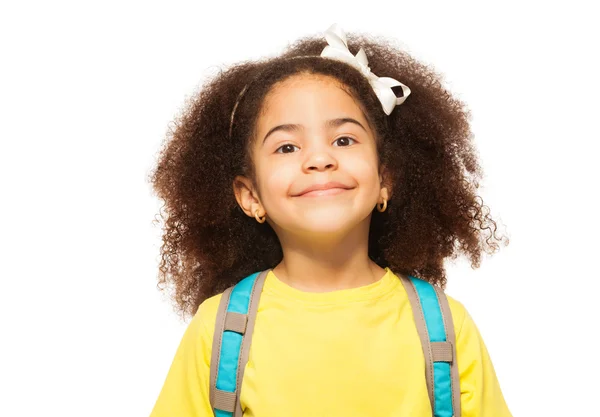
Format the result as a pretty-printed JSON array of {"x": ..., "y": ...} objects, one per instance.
[
  {"x": 345, "y": 137},
  {"x": 284, "y": 146},
  {"x": 287, "y": 145}
]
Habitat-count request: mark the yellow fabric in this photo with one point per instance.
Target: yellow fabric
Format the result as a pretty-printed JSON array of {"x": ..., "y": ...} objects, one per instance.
[{"x": 351, "y": 352}]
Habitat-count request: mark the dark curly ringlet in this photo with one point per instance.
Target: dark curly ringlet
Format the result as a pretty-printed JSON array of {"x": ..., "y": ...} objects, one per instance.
[{"x": 434, "y": 213}]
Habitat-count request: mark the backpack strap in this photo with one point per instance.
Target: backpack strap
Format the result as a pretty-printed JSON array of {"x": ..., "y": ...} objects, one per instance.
[
  {"x": 234, "y": 326},
  {"x": 435, "y": 327},
  {"x": 231, "y": 343}
]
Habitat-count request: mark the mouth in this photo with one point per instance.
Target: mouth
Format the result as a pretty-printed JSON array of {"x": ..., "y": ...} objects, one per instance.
[{"x": 325, "y": 193}]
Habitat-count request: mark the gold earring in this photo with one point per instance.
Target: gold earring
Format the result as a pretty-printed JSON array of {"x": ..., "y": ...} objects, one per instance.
[
  {"x": 259, "y": 219},
  {"x": 384, "y": 206}
]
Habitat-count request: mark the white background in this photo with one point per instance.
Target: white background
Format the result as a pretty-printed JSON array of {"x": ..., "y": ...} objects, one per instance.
[{"x": 87, "y": 91}]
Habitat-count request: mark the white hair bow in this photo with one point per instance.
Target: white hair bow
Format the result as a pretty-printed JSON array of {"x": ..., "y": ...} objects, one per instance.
[{"x": 338, "y": 49}]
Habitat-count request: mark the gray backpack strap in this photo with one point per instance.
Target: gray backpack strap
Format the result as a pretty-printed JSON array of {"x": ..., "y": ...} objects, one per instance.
[
  {"x": 234, "y": 326},
  {"x": 435, "y": 327},
  {"x": 451, "y": 337}
]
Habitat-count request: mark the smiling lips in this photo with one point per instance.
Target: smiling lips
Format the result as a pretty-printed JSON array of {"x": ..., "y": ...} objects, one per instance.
[{"x": 330, "y": 188}]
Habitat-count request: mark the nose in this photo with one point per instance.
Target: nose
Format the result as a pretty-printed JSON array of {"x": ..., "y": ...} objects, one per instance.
[{"x": 320, "y": 160}]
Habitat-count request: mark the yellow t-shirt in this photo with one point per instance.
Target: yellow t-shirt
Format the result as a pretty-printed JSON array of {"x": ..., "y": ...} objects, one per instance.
[{"x": 350, "y": 352}]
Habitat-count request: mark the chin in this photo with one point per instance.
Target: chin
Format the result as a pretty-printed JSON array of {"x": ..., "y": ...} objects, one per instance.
[
  {"x": 327, "y": 224},
  {"x": 324, "y": 220}
]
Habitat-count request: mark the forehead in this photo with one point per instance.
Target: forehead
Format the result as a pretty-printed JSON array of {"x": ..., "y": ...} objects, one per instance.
[{"x": 308, "y": 97}]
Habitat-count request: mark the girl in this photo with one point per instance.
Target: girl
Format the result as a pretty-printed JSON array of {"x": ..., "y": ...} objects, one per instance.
[{"x": 277, "y": 166}]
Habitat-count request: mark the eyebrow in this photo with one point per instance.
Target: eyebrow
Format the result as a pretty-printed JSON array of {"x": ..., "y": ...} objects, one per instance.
[{"x": 290, "y": 127}]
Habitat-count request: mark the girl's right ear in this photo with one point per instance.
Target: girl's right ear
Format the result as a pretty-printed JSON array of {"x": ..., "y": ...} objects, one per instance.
[{"x": 247, "y": 197}]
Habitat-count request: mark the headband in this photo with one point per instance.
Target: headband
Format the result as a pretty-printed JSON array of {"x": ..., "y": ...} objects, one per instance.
[{"x": 337, "y": 48}]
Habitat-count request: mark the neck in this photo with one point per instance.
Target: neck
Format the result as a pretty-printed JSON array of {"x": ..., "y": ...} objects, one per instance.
[{"x": 328, "y": 263}]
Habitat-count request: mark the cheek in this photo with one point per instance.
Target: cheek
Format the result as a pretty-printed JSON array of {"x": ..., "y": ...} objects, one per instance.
[
  {"x": 363, "y": 168},
  {"x": 277, "y": 179}
]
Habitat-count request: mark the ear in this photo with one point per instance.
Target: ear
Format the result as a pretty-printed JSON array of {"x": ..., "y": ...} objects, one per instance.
[
  {"x": 387, "y": 185},
  {"x": 247, "y": 196}
]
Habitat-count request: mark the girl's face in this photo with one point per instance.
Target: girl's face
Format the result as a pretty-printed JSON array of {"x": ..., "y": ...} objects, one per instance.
[{"x": 311, "y": 132}]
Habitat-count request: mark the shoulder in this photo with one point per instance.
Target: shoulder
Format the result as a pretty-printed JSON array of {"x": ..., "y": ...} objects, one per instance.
[
  {"x": 481, "y": 394},
  {"x": 186, "y": 388},
  {"x": 198, "y": 335},
  {"x": 206, "y": 316},
  {"x": 458, "y": 311},
  {"x": 466, "y": 332}
]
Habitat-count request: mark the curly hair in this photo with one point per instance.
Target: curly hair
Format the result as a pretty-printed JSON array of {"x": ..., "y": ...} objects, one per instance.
[{"x": 209, "y": 243}]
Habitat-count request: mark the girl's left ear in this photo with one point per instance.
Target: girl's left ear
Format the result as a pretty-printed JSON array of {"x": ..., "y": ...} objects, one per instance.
[{"x": 385, "y": 180}]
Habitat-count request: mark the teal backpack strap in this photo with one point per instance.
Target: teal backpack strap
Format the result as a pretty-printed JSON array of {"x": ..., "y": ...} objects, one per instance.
[
  {"x": 435, "y": 327},
  {"x": 231, "y": 343}
]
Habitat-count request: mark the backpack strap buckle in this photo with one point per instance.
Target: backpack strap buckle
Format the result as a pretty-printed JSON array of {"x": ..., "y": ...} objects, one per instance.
[{"x": 236, "y": 322}]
